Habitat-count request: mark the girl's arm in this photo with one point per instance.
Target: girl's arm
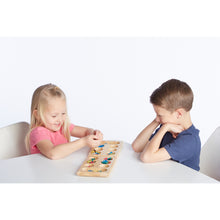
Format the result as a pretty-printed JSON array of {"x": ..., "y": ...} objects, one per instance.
[
  {"x": 143, "y": 138},
  {"x": 57, "y": 152},
  {"x": 79, "y": 132}
]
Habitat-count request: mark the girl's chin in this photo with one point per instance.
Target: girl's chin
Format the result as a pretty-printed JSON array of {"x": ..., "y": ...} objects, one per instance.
[{"x": 56, "y": 128}]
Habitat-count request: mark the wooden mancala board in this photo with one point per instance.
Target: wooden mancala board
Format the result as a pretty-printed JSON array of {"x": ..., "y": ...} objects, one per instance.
[{"x": 101, "y": 159}]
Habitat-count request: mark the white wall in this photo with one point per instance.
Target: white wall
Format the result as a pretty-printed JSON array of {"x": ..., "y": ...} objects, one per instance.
[{"x": 108, "y": 81}]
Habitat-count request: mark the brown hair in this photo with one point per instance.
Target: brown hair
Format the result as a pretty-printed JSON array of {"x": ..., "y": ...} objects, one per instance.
[
  {"x": 39, "y": 99},
  {"x": 173, "y": 94}
]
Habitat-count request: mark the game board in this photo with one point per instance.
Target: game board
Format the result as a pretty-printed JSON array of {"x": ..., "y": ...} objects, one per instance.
[{"x": 101, "y": 159}]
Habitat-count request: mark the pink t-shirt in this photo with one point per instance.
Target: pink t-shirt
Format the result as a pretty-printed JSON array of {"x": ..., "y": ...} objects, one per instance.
[{"x": 41, "y": 133}]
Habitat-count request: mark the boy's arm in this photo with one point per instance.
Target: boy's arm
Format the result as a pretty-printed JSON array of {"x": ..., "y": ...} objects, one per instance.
[
  {"x": 143, "y": 138},
  {"x": 152, "y": 152}
]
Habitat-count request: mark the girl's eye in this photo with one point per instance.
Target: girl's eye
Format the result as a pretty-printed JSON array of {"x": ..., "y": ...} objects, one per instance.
[
  {"x": 64, "y": 113},
  {"x": 53, "y": 116}
]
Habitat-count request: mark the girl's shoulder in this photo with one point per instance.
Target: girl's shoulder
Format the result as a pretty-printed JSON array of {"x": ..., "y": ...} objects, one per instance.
[
  {"x": 38, "y": 134},
  {"x": 40, "y": 130},
  {"x": 71, "y": 127}
]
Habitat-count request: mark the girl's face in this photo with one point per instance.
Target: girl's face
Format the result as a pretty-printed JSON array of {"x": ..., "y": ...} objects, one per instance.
[
  {"x": 164, "y": 116},
  {"x": 55, "y": 114}
]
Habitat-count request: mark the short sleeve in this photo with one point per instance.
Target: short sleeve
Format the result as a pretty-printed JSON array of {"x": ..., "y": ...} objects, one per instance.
[
  {"x": 182, "y": 148},
  {"x": 38, "y": 134},
  {"x": 71, "y": 127}
]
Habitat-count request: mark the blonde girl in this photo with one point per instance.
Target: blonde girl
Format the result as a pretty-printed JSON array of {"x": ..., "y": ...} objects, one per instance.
[{"x": 50, "y": 129}]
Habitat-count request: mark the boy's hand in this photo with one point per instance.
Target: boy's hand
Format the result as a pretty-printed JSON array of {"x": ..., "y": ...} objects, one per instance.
[
  {"x": 156, "y": 120},
  {"x": 174, "y": 129}
]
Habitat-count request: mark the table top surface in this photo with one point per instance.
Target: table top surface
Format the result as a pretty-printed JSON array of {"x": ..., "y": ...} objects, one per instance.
[{"x": 127, "y": 169}]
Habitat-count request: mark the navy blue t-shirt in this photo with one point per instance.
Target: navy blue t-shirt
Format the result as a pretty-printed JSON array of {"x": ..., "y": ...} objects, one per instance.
[{"x": 184, "y": 149}]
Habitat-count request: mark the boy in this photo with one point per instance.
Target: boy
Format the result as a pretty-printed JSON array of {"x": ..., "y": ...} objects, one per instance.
[{"x": 176, "y": 138}]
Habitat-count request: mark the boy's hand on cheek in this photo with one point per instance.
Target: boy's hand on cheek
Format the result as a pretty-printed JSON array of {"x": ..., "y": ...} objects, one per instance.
[
  {"x": 174, "y": 129},
  {"x": 156, "y": 120}
]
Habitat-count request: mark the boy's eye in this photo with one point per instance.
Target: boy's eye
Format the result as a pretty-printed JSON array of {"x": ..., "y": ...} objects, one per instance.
[
  {"x": 63, "y": 113},
  {"x": 53, "y": 116}
]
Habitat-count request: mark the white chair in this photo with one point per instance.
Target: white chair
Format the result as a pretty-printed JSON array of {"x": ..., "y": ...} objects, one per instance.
[
  {"x": 210, "y": 156},
  {"x": 12, "y": 140}
]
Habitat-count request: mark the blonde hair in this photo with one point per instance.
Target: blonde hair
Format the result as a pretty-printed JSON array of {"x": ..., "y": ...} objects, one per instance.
[
  {"x": 40, "y": 98},
  {"x": 173, "y": 94}
]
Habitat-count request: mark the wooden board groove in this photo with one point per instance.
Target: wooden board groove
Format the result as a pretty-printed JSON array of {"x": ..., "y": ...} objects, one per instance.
[{"x": 100, "y": 160}]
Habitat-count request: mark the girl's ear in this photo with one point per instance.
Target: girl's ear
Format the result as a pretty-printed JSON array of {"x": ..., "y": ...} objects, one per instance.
[{"x": 35, "y": 113}]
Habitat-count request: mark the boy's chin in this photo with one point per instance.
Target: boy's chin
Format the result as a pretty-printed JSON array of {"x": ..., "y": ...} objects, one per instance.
[{"x": 175, "y": 135}]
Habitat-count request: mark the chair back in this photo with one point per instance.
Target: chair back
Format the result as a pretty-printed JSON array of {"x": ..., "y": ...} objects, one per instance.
[
  {"x": 12, "y": 140},
  {"x": 210, "y": 156}
]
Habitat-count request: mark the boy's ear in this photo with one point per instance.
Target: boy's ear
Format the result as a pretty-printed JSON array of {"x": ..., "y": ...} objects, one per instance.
[{"x": 180, "y": 112}]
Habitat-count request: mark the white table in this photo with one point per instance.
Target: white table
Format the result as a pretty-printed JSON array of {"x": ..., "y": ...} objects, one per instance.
[{"x": 127, "y": 169}]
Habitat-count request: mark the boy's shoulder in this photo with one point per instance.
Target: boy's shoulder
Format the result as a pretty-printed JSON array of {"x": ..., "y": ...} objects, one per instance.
[
  {"x": 185, "y": 148},
  {"x": 188, "y": 140},
  {"x": 192, "y": 130}
]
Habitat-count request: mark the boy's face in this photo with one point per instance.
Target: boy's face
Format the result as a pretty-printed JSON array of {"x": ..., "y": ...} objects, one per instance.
[{"x": 164, "y": 116}]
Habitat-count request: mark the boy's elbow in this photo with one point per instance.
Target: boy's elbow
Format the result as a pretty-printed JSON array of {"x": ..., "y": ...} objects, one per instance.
[
  {"x": 135, "y": 147},
  {"x": 145, "y": 158}
]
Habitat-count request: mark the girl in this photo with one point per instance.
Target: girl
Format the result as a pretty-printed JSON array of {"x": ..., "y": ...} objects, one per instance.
[{"x": 50, "y": 129}]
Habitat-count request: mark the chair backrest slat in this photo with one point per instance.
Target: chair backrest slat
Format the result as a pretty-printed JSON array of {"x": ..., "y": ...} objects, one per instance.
[
  {"x": 210, "y": 156},
  {"x": 12, "y": 140}
]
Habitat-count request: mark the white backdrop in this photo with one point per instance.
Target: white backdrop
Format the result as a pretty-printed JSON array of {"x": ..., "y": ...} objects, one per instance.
[{"x": 108, "y": 81}]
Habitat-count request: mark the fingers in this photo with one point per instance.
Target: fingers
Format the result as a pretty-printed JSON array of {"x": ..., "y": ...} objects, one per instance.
[
  {"x": 93, "y": 141},
  {"x": 174, "y": 128},
  {"x": 180, "y": 128},
  {"x": 98, "y": 134},
  {"x": 94, "y": 138}
]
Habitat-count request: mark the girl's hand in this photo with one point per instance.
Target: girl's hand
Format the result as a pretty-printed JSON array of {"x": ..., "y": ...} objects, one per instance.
[
  {"x": 92, "y": 141},
  {"x": 98, "y": 134},
  {"x": 89, "y": 131}
]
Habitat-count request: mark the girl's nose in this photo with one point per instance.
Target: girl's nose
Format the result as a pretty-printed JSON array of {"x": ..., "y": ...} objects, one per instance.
[{"x": 59, "y": 119}]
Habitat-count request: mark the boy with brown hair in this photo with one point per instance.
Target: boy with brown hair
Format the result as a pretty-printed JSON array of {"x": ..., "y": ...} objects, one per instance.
[{"x": 176, "y": 138}]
